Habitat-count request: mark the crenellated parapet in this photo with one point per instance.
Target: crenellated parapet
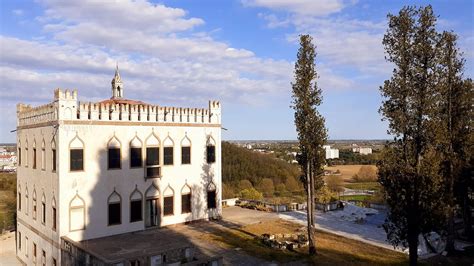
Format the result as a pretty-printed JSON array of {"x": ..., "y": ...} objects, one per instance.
[
  {"x": 66, "y": 107},
  {"x": 27, "y": 115}
]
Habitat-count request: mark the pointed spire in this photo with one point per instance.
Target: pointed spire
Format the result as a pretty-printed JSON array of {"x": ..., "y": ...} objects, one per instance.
[{"x": 117, "y": 84}]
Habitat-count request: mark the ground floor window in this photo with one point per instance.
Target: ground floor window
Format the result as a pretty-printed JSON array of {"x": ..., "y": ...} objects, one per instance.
[
  {"x": 152, "y": 212},
  {"x": 135, "y": 210},
  {"x": 168, "y": 206},
  {"x": 114, "y": 213},
  {"x": 211, "y": 199},
  {"x": 186, "y": 203}
]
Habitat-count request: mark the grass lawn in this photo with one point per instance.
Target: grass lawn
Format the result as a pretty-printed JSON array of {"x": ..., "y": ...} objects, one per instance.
[
  {"x": 332, "y": 249},
  {"x": 363, "y": 185},
  {"x": 356, "y": 197}
]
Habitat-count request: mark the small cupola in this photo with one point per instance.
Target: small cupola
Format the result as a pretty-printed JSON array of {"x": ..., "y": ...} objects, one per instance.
[{"x": 117, "y": 85}]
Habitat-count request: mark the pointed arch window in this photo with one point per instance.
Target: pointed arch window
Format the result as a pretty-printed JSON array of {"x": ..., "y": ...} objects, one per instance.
[
  {"x": 77, "y": 215},
  {"x": 43, "y": 156},
  {"x": 168, "y": 147},
  {"x": 53, "y": 155},
  {"x": 26, "y": 153},
  {"x": 168, "y": 201},
  {"x": 27, "y": 201},
  {"x": 186, "y": 151},
  {"x": 34, "y": 154},
  {"x": 152, "y": 206},
  {"x": 211, "y": 196},
  {"x": 113, "y": 154},
  {"x": 136, "y": 206},
  {"x": 114, "y": 209},
  {"x": 76, "y": 154},
  {"x": 34, "y": 204},
  {"x": 54, "y": 214},
  {"x": 186, "y": 199},
  {"x": 43, "y": 209},
  {"x": 211, "y": 150},
  {"x": 19, "y": 198},
  {"x": 19, "y": 153},
  {"x": 136, "y": 159},
  {"x": 152, "y": 157}
]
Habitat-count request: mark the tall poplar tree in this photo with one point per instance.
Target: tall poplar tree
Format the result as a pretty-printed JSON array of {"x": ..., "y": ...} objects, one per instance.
[
  {"x": 454, "y": 131},
  {"x": 312, "y": 133},
  {"x": 409, "y": 169}
]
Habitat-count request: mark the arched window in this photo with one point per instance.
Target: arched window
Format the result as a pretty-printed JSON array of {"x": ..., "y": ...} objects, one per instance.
[
  {"x": 53, "y": 155},
  {"x": 19, "y": 153},
  {"x": 185, "y": 150},
  {"x": 54, "y": 214},
  {"x": 27, "y": 201},
  {"x": 113, "y": 154},
  {"x": 152, "y": 156},
  {"x": 168, "y": 147},
  {"x": 34, "y": 154},
  {"x": 26, "y": 153},
  {"x": 211, "y": 150},
  {"x": 34, "y": 204},
  {"x": 168, "y": 201},
  {"x": 136, "y": 153},
  {"x": 77, "y": 214},
  {"x": 43, "y": 209},
  {"x": 43, "y": 156},
  {"x": 152, "y": 206},
  {"x": 114, "y": 209},
  {"x": 136, "y": 206},
  {"x": 211, "y": 196},
  {"x": 186, "y": 199},
  {"x": 19, "y": 198},
  {"x": 76, "y": 154}
]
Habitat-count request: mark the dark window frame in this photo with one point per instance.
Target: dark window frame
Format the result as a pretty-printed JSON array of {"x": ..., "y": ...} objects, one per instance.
[
  {"x": 186, "y": 156},
  {"x": 55, "y": 219},
  {"x": 166, "y": 210},
  {"x": 114, "y": 158},
  {"x": 109, "y": 214},
  {"x": 167, "y": 157},
  {"x": 132, "y": 220},
  {"x": 43, "y": 212},
  {"x": 211, "y": 204},
  {"x": 133, "y": 160},
  {"x": 188, "y": 197},
  {"x": 19, "y": 156},
  {"x": 211, "y": 153},
  {"x": 53, "y": 151},
  {"x": 34, "y": 158},
  {"x": 79, "y": 161}
]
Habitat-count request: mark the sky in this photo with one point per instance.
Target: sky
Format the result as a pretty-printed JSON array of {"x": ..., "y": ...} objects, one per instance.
[{"x": 184, "y": 52}]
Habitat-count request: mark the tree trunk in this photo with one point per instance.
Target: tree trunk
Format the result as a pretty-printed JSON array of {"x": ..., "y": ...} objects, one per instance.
[
  {"x": 310, "y": 209},
  {"x": 413, "y": 245},
  {"x": 466, "y": 208}
]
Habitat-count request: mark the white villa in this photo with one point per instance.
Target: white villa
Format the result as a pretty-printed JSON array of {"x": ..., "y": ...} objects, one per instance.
[{"x": 93, "y": 170}]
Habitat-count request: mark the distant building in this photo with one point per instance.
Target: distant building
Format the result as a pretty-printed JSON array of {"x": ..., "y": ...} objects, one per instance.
[
  {"x": 331, "y": 153},
  {"x": 361, "y": 150}
]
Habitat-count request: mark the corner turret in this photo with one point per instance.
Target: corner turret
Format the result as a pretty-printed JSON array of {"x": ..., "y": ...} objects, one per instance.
[{"x": 117, "y": 85}]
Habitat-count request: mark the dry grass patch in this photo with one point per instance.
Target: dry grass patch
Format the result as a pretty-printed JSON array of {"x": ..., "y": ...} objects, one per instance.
[
  {"x": 332, "y": 249},
  {"x": 347, "y": 171}
]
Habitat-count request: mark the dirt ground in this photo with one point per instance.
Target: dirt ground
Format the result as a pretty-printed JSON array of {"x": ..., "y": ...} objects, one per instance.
[{"x": 7, "y": 250}]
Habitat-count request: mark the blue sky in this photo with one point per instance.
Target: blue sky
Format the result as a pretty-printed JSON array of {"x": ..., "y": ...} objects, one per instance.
[{"x": 186, "y": 52}]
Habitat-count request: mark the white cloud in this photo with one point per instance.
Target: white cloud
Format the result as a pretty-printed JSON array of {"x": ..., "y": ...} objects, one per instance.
[
  {"x": 304, "y": 7},
  {"x": 18, "y": 12}
]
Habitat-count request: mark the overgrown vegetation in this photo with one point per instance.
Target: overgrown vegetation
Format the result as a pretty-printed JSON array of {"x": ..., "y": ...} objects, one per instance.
[
  {"x": 253, "y": 174},
  {"x": 7, "y": 201}
]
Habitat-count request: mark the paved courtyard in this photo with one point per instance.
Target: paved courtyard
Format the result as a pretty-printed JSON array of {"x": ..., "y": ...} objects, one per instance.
[{"x": 7, "y": 250}]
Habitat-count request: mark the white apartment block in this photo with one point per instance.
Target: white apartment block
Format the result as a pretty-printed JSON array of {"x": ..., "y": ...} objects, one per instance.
[
  {"x": 91, "y": 170},
  {"x": 331, "y": 153}
]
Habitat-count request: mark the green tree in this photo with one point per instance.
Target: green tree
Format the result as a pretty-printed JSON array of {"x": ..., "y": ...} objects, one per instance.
[
  {"x": 408, "y": 170},
  {"x": 251, "y": 194},
  {"x": 335, "y": 183},
  {"x": 266, "y": 186},
  {"x": 454, "y": 130},
  {"x": 366, "y": 173},
  {"x": 245, "y": 184},
  {"x": 292, "y": 185},
  {"x": 227, "y": 191},
  {"x": 312, "y": 133}
]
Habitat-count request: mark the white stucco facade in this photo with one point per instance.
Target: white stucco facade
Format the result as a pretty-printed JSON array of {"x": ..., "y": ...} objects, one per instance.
[{"x": 81, "y": 197}]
